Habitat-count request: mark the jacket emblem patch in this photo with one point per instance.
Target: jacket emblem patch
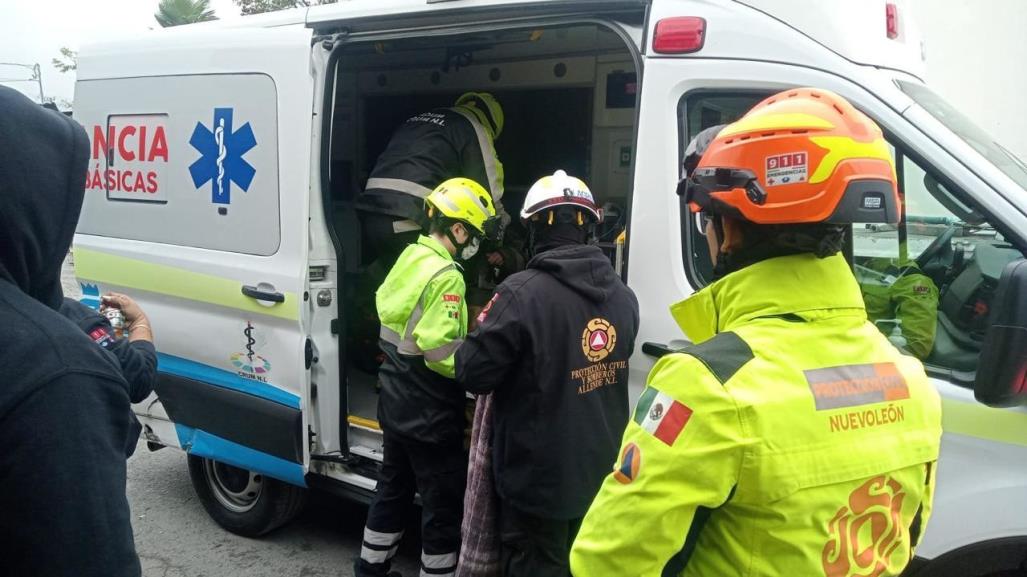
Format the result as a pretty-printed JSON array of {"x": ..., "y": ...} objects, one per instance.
[
  {"x": 867, "y": 531},
  {"x": 102, "y": 337},
  {"x": 488, "y": 306},
  {"x": 630, "y": 464},
  {"x": 661, "y": 415},
  {"x": 598, "y": 339},
  {"x": 854, "y": 385}
]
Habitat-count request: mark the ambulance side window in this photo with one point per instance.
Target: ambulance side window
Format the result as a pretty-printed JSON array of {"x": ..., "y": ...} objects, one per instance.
[{"x": 188, "y": 161}]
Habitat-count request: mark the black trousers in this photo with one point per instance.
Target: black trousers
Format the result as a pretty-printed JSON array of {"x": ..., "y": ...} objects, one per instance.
[
  {"x": 439, "y": 473},
  {"x": 381, "y": 241},
  {"x": 533, "y": 546}
]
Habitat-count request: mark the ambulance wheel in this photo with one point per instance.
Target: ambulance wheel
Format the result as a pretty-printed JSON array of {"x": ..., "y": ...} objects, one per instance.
[{"x": 241, "y": 501}]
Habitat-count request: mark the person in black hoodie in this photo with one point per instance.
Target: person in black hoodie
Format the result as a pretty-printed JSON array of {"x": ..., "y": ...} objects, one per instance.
[
  {"x": 133, "y": 351},
  {"x": 552, "y": 346},
  {"x": 63, "y": 401}
]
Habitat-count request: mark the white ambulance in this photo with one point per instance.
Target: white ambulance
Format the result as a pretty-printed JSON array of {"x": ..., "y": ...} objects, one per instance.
[{"x": 226, "y": 158}]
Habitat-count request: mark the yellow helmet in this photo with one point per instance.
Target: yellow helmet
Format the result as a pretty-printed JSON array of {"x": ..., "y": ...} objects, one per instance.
[
  {"x": 466, "y": 201},
  {"x": 486, "y": 108}
]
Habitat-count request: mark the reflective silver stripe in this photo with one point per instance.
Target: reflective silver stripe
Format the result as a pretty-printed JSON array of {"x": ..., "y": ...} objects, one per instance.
[
  {"x": 418, "y": 312},
  {"x": 488, "y": 154},
  {"x": 399, "y": 185},
  {"x": 449, "y": 204},
  {"x": 405, "y": 225},
  {"x": 376, "y": 556},
  {"x": 406, "y": 344},
  {"x": 373, "y": 537},
  {"x": 445, "y": 561},
  {"x": 379, "y": 547},
  {"x": 390, "y": 336},
  {"x": 439, "y": 354}
]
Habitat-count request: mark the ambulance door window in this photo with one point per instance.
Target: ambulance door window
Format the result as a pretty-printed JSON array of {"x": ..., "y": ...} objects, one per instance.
[
  {"x": 697, "y": 111},
  {"x": 928, "y": 282}
]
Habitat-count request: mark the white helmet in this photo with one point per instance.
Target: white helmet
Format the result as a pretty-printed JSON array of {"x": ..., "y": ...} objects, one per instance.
[{"x": 559, "y": 189}]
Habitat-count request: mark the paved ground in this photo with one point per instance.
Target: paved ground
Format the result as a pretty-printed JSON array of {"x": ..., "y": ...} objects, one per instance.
[{"x": 175, "y": 537}]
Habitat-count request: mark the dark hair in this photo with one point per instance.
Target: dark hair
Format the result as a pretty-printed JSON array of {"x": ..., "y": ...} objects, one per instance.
[{"x": 766, "y": 241}]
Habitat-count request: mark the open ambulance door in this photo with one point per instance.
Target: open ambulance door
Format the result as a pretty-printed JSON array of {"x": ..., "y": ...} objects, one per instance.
[{"x": 194, "y": 210}]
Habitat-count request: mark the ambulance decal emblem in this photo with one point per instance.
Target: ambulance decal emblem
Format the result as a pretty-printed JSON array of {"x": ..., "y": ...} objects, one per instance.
[
  {"x": 598, "y": 339},
  {"x": 221, "y": 156}
]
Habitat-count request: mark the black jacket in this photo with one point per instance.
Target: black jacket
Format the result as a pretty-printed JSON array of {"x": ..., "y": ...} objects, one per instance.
[
  {"x": 63, "y": 401},
  {"x": 426, "y": 150},
  {"x": 137, "y": 359},
  {"x": 553, "y": 345}
]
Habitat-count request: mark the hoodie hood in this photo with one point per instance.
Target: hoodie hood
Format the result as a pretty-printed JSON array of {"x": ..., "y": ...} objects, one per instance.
[
  {"x": 583, "y": 268},
  {"x": 43, "y": 160}
]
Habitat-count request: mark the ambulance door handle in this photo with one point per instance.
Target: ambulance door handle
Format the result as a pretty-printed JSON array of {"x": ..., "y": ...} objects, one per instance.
[{"x": 259, "y": 293}]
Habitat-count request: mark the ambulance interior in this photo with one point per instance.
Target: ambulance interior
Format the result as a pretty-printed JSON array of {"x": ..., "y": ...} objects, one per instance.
[{"x": 568, "y": 94}]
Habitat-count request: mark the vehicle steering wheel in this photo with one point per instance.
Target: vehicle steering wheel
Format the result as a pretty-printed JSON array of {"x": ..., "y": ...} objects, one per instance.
[{"x": 936, "y": 246}]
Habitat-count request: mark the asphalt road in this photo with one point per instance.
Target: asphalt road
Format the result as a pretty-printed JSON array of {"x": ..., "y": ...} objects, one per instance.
[{"x": 175, "y": 537}]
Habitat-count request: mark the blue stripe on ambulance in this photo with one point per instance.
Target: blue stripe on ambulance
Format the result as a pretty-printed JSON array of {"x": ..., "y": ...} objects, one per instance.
[
  {"x": 203, "y": 444},
  {"x": 222, "y": 378}
]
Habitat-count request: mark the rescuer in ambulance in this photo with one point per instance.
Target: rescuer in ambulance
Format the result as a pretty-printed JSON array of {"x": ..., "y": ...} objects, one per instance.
[
  {"x": 902, "y": 302},
  {"x": 421, "y": 408},
  {"x": 792, "y": 438},
  {"x": 424, "y": 151}
]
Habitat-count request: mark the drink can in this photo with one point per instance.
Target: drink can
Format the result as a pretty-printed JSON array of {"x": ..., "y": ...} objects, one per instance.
[{"x": 117, "y": 320}]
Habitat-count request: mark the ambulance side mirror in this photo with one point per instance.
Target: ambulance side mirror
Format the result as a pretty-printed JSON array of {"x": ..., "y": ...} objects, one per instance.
[{"x": 1001, "y": 379}]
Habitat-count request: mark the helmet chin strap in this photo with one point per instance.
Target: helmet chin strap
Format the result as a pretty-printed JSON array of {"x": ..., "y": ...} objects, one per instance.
[{"x": 460, "y": 246}]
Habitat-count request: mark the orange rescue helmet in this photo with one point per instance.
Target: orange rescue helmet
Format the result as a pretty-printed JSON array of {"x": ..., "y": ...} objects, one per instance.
[{"x": 801, "y": 156}]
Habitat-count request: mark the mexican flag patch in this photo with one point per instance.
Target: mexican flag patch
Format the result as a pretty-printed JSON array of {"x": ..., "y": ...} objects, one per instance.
[{"x": 661, "y": 415}]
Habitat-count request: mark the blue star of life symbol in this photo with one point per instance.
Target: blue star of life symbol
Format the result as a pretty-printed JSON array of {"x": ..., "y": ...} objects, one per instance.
[{"x": 221, "y": 161}]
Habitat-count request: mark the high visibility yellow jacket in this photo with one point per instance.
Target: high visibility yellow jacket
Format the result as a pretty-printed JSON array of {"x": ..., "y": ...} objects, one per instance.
[
  {"x": 424, "y": 319},
  {"x": 901, "y": 293},
  {"x": 793, "y": 440}
]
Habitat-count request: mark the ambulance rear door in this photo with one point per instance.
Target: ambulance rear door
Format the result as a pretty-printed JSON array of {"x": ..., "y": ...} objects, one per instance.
[{"x": 197, "y": 207}]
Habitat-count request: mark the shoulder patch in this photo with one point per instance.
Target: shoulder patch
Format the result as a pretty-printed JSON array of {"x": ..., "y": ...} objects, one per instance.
[{"x": 723, "y": 355}]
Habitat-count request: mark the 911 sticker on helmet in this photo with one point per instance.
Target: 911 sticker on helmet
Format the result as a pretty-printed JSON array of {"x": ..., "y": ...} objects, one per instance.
[{"x": 787, "y": 168}]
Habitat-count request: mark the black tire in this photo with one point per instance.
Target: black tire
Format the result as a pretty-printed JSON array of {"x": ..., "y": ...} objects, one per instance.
[{"x": 243, "y": 502}]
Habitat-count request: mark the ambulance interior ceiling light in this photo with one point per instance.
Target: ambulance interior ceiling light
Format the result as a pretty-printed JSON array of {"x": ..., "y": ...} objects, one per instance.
[{"x": 679, "y": 35}]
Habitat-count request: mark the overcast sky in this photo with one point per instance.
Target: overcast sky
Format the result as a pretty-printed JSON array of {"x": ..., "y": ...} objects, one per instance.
[{"x": 33, "y": 31}]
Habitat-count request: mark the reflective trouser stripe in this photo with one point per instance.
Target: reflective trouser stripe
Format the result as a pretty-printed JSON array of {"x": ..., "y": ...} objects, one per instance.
[
  {"x": 399, "y": 185},
  {"x": 379, "y": 547},
  {"x": 438, "y": 565}
]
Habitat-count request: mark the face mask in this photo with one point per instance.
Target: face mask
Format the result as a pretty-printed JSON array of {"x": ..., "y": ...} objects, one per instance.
[{"x": 470, "y": 249}]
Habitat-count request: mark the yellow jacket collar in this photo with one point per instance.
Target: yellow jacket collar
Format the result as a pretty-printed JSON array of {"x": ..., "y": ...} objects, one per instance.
[
  {"x": 798, "y": 284},
  {"x": 435, "y": 245}
]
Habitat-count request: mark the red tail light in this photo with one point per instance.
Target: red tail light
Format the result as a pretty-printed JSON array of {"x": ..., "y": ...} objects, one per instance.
[
  {"x": 891, "y": 15},
  {"x": 679, "y": 35}
]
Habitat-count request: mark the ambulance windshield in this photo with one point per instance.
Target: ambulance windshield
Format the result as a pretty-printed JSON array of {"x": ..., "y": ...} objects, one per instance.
[{"x": 960, "y": 125}]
